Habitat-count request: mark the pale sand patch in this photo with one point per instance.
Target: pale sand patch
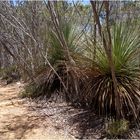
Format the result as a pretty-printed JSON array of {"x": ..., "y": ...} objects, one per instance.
[{"x": 18, "y": 122}]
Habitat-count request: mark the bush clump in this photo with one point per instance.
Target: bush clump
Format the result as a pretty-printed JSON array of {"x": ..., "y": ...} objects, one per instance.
[{"x": 117, "y": 129}]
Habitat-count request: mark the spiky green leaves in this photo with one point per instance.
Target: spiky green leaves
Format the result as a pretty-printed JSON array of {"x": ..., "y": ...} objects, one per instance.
[{"x": 100, "y": 92}]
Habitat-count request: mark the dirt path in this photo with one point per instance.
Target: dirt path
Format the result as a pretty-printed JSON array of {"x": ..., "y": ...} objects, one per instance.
[
  {"x": 19, "y": 121},
  {"x": 31, "y": 120}
]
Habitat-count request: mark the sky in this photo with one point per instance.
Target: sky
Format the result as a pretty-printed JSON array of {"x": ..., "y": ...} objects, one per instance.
[{"x": 83, "y": 1}]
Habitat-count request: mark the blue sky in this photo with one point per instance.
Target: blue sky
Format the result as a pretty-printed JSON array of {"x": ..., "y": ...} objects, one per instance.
[{"x": 83, "y": 1}]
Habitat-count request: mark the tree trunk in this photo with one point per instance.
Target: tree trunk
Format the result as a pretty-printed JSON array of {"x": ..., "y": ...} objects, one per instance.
[{"x": 107, "y": 44}]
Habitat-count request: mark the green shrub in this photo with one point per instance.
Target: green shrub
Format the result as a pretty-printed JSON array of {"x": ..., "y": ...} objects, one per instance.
[
  {"x": 100, "y": 90},
  {"x": 6, "y": 73},
  {"x": 117, "y": 129}
]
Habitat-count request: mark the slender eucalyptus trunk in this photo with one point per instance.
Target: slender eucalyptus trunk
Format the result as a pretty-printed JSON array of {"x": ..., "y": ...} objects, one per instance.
[
  {"x": 107, "y": 44},
  {"x": 59, "y": 33}
]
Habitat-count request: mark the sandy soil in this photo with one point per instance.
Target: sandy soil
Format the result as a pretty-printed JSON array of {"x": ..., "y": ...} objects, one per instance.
[
  {"x": 46, "y": 120},
  {"x": 18, "y": 119}
]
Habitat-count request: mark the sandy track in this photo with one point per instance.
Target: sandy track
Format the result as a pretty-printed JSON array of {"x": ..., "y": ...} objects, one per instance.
[
  {"x": 30, "y": 120},
  {"x": 17, "y": 121}
]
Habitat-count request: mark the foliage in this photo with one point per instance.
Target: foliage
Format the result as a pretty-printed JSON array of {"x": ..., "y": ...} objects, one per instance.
[
  {"x": 48, "y": 83},
  {"x": 117, "y": 129},
  {"x": 41, "y": 86},
  {"x": 57, "y": 53},
  {"x": 100, "y": 91},
  {"x": 7, "y": 72}
]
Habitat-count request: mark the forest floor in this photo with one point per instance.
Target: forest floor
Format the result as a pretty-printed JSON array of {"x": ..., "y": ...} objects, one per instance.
[
  {"x": 41, "y": 120},
  {"x": 37, "y": 119}
]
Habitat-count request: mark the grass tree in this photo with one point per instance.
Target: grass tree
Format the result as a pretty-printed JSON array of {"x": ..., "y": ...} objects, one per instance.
[
  {"x": 62, "y": 74},
  {"x": 125, "y": 56}
]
